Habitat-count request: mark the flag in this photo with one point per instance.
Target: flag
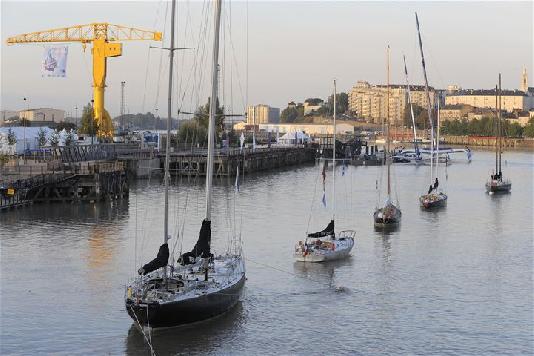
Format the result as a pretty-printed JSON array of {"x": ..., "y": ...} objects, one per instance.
[
  {"x": 241, "y": 142},
  {"x": 324, "y": 199},
  {"x": 237, "y": 180},
  {"x": 469, "y": 154},
  {"x": 54, "y": 62}
]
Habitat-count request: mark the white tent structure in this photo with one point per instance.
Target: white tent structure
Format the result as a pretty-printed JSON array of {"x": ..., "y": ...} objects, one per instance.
[
  {"x": 293, "y": 138},
  {"x": 28, "y": 138}
]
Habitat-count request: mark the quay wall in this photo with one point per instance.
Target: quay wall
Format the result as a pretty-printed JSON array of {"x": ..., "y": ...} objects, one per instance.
[{"x": 490, "y": 141}]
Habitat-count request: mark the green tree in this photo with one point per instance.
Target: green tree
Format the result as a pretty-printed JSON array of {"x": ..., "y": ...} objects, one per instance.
[
  {"x": 289, "y": 115},
  {"x": 41, "y": 137},
  {"x": 528, "y": 130},
  {"x": 88, "y": 124},
  {"x": 11, "y": 138},
  {"x": 191, "y": 132},
  {"x": 342, "y": 104}
]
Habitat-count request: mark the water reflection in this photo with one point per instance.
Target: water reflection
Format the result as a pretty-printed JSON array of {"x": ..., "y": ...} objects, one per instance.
[{"x": 187, "y": 339}]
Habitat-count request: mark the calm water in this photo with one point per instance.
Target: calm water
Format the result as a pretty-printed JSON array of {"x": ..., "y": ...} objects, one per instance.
[{"x": 454, "y": 282}]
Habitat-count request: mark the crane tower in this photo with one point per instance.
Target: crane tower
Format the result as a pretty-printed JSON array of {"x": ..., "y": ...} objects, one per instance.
[{"x": 104, "y": 38}]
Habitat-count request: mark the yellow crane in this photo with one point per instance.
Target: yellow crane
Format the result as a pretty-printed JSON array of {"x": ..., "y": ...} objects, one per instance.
[{"x": 103, "y": 37}]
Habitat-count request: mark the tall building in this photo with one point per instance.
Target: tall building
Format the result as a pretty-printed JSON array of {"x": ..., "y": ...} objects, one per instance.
[
  {"x": 370, "y": 101},
  {"x": 262, "y": 114}
]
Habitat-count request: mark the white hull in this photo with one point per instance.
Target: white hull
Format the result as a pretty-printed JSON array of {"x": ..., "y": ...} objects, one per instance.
[{"x": 316, "y": 252}]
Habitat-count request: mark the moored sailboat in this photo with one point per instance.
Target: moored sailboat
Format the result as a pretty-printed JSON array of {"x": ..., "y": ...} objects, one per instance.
[
  {"x": 496, "y": 183},
  {"x": 326, "y": 245},
  {"x": 203, "y": 285},
  {"x": 433, "y": 198},
  {"x": 389, "y": 215}
]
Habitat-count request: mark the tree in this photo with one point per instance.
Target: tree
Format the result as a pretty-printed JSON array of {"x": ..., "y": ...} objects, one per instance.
[
  {"x": 528, "y": 130},
  {"x": 88, "y": 124},
  {"x": 342, "y": 104},
  {"x": 41, "y": 137},
  {"x": 54, "y": 139},
  {"x": 65, "y": 125},
  {"x": 11, "y": 138},
  {"x": 69, "y": 138},
  {"x": 289, "y": 115},
  {"x": 196, "y": 129},
  {"x": 191, "y": 132}
]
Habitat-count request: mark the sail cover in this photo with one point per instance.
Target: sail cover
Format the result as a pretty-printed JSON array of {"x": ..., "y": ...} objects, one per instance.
[
  {"x": 329, "y": 230},
  {"x": 160, "y": 261},
  {"x": 202, "y": 247}
]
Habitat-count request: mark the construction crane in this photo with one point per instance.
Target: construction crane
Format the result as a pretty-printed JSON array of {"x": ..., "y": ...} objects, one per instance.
[{"x": 103, "y": 37}]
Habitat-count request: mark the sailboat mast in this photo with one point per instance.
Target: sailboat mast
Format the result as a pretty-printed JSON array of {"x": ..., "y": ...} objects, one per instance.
[
  {"x": 497, "y": 129},
  {"x": 334, "y": 159},
  {"x": 213, "y": 108},
  {"x": 429, "y": 108},
  {"x": 411, "y": 106},
  {"x": 500, "y": 126},
  {"x": 387, "y": 130},
  {"x": 437, "y": 142},
  {"x": 169, "y": 119}
]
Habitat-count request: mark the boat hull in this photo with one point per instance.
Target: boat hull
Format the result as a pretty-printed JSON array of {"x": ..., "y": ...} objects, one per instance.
[
  {"x": 186, "y": 311},
  {"x": 498, "y": 188},
  {"x": 439, "y": 201},
  {"x": 325, "y": 255},
  {"x": 389, "y": 216}
]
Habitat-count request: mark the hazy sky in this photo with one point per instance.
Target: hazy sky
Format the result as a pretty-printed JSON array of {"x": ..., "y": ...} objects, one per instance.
[{"x": 295, "y": 49}]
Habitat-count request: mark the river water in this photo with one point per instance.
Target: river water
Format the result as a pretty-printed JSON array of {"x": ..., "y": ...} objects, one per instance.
[{"x": 457, "y": 281}]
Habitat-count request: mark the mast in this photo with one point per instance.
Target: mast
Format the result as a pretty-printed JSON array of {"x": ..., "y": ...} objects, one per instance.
[
  {"x": 497, "y": 129},
  {"x": 169, "y": 113},
  {"x": 167, "y": 143},
  {"x": 387, "y": 130},
  {"x": 429, "y": 108},
  {"x": 334, "y": 159},
  {"x": 411, "y": 106},
  {"x": 213, "y": 108},
  {"x": 500, "y": 128},
  {"x": 437, "y": 142}
]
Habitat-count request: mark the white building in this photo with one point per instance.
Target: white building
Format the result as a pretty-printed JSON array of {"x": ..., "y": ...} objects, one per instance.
[{"x": 310, "y": 129}]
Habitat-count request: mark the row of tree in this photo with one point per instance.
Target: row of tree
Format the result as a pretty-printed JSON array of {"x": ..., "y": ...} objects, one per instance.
[{"x": 486, "y": 127}]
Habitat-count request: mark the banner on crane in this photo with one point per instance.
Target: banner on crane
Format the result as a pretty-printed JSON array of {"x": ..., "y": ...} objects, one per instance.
[{"x": 55, "y": 62}]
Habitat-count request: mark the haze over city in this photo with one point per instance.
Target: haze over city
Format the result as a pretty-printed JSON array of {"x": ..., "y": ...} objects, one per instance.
[{"x": 295, "y": 49}]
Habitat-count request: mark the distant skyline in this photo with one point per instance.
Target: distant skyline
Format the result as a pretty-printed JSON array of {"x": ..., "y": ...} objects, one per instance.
[{"x": 295, "y": 50}]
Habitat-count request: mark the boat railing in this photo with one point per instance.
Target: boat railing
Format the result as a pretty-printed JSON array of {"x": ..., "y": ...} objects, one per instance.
[{"x": 347, "y": 234}]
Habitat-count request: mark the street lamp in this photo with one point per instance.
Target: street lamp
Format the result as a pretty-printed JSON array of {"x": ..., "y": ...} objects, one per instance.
[
  {"x": 24, "y": 123},
  {"x": 76, "y": 115}
]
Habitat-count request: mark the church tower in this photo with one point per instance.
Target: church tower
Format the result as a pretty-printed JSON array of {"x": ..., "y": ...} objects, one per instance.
[{"x": 524, "y": 81}]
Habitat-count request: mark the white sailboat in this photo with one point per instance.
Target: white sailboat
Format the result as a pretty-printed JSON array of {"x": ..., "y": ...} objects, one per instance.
[
  {"x": 203, "y": 285},
  {"x": 388, "y": 215},
  {"x": 496, "y": 183},
  {"x": 326, "y": 245},
  {"x": 434, "y": 198}
]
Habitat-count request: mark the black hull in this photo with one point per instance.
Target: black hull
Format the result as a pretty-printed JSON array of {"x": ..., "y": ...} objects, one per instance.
[
  {"x": 505, "y": 188},
  {"x": 186, "y": 311}
]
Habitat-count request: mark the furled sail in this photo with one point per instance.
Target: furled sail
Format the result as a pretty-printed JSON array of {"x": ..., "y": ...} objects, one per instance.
[
  {"x": 329, "y": 230},
  {"x": 160, "y": 261},
  {"x": 202, "y": 247}
]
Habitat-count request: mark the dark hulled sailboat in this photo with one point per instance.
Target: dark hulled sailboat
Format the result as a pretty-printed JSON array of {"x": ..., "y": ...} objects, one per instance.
[
  {"x": 389, "y": 215},
  {"x": 496, "y": 183},
  {"x": 203, "y": 285}
]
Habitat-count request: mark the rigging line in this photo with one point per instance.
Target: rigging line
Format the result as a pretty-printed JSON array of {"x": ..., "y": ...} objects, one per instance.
[
  {"x": 156, "y": 106},
  {"x": 243, "y": 98},
  {"x": 152, "y": 352},
  {"x": 329, "y": 285},
  {"x": 247, "y": 68},
  {"x": 146, "y": 80}
]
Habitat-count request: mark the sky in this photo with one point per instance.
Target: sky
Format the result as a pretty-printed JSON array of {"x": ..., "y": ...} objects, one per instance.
[{"x": 289, "y": 51}]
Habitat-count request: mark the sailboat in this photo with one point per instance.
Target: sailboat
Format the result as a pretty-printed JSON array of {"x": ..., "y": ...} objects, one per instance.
[
  {"x": 388, "y": 215},
  {"x": 203, "y": 285},
  {"x": 434, "y": 198},
  {"x": 325, "y": 245},
  {"x": 496, "y": 183}
]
